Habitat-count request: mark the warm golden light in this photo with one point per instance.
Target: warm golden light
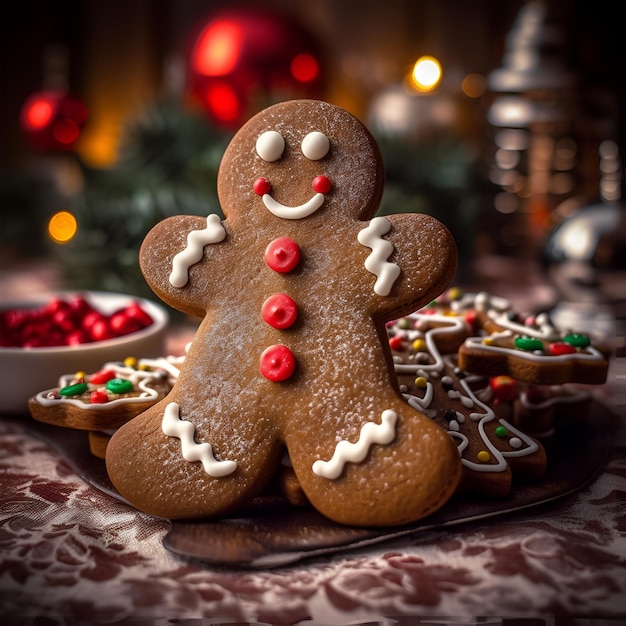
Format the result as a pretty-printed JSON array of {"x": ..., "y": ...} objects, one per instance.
[
  {"x": 62, "y": 227},
  {"x": 474, "y": 85},
  {"x": 426, "y": 74}
]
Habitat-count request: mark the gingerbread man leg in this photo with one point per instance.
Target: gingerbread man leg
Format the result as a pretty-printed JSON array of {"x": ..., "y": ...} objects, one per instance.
[
  {"x": 359, "y": 468},
  {"x": 179, "y": 446}
]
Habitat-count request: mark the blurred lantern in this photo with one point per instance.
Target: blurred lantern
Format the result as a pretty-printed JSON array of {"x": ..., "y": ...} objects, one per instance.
[
  {"x": 53, "y": 120},
  {"x": 246, "y": 59},
  {"x": 415, "y": 108}
]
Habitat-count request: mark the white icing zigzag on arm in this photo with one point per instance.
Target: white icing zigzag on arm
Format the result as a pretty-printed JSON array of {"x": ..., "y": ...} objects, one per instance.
[
  {"x": 173, "y": 426},
  {"x": 376, "y": 263},
  {"x": 347, "y": 452},
  {"x": 192, "y": 254}
]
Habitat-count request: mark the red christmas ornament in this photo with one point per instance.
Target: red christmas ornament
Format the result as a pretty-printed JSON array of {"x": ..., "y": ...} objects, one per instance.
[
  {"x": 53, "y": 120},
  {"x": 242, "y": 59}
]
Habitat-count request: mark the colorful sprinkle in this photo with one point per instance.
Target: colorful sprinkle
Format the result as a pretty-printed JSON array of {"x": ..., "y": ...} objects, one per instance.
[
  {"x": 99, "y": 396},
  {"x": 515, "y": 442},
  {"x": 404, "y": 323},
  {"x": 504, "y": 388},
  {"x": 559, "y": 348},
  {"x": 421, "y": 382},
  {"x": 502, "y": 431},
  {"x": 483, "y": 456},
  {"x": 102, "y": 377},
  {"x": 395, "y": 343},
  {"x": 578, "y": 341},
  {"x": 455, "y": 293},
  {"x": 130, "y": 361},
  {"x": 528, "y": 344},
  {"x": 119, "y": 385},
  {"x": 419, "y": 345},
  {"x": 74, "y": 390}
]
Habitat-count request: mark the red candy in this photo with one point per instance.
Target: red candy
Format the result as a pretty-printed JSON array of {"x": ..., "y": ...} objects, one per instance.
[
  {"x": 282, "y": 255},
  {"x": 277, "y": 363},
  {"x": 279, "y": 311},
  {"x": 559, "y": 347},
  {"x": 101, "y": 377},
  {"x": 395, "y": 343},
  {"x": 99, "y": 396},
  {"x": 67, "y": 323},
  {"x": 504, "y": 388}
]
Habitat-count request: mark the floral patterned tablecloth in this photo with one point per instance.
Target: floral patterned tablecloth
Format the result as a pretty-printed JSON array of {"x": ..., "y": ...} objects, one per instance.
[{"x": 71, "y": 552}]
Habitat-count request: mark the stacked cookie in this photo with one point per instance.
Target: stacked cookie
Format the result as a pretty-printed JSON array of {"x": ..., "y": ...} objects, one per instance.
[{"x": 495, "y": 380}]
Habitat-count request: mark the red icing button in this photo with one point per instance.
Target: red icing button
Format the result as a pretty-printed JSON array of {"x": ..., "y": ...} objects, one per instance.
[
  {"x": 282, "y": 254},
  {"x": 279, "y": 311},
  {"x": 277, "y": 363},
  {"x": 559, "y": 348}
]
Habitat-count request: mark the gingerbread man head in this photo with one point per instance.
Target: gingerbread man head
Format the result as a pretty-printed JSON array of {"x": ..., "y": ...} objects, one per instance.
[{"x": 294, "y": 287}]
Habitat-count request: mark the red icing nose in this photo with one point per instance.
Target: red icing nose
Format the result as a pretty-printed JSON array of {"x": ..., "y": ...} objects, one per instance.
[{"x": 322, "y": 184}]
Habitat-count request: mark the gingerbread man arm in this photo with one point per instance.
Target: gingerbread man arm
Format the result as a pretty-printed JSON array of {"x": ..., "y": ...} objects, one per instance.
[
  {"x": 412, "y": 261},
  {"x": 172, "y": 257}
]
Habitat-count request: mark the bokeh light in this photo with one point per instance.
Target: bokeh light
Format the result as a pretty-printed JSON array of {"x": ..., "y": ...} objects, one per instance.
[
  {"x": 426, "y": 74},
  {"x": 62, "y": 227}
]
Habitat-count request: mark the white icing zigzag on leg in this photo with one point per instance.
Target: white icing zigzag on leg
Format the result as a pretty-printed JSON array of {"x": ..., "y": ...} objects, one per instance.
[
  {"x": 386, "y": 273},
  {"x": 192, "y": 254},
  {"x": 347, "y": 452},
  {"x": 173, "y": 426}
]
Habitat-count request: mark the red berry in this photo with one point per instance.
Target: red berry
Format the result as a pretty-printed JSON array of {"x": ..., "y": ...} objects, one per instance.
[
  {"x": 90, "y": 319},
  {"x": 64, "y": 320},
  {"x": 101, "y": 330},
  {"x": 134, "y": 311},
  {"x": 76, "y": 337},
  {"x": 79, "y": 306},
  {"x": 121, "y": 324}
]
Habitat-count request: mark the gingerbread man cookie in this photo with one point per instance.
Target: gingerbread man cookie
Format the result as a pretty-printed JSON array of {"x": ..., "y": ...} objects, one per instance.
[{"x": 294, "y": 286}]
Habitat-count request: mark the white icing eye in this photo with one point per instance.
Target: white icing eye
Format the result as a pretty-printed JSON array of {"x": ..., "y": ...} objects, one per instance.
[
  {"x": 315, "y": 146},
  {"x": 270, "y": 146}
]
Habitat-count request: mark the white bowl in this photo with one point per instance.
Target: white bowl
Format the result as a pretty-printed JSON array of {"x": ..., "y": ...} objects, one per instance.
[{"x": 25, "y": 372}]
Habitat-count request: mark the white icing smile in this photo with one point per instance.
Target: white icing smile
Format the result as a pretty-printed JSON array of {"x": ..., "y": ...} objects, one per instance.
[{"x": 293, "y": 213}]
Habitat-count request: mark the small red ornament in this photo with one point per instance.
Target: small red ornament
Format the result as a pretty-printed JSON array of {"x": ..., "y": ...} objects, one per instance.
[
  {"x": 244, "y": 56},
  {"x": 53, "y": 120}
]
